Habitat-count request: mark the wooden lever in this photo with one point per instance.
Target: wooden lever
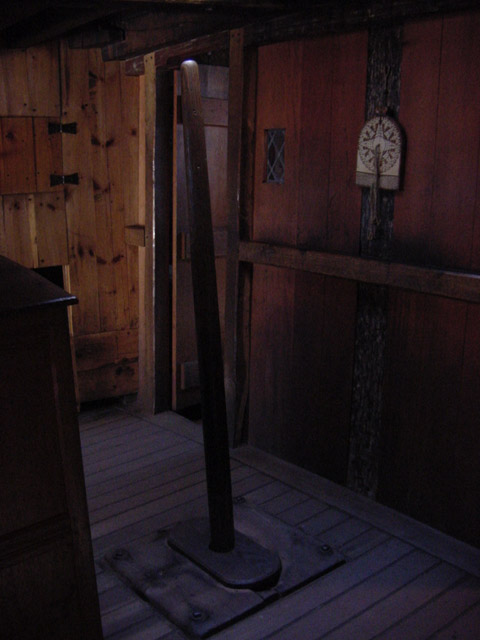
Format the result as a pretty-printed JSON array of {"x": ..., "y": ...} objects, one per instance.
[{"x": 207, "y": 323}]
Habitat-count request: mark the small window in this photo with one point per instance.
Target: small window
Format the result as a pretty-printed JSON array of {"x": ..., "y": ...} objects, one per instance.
[{"x": 275, "y": 144}]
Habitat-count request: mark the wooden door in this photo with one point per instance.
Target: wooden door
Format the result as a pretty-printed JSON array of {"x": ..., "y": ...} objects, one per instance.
[{"x": 214, "y": 89}]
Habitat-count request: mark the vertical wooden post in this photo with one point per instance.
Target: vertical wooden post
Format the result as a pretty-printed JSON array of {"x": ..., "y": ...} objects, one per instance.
[
  {"x": 207, "y": 321},
  {"x": 383, "y": 90},
  {"x": 235, "y": 117},
  {"x": 155, "y": 359}
]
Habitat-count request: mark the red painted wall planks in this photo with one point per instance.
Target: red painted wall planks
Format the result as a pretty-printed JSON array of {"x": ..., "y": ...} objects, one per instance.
[
  {"x": 303, "y": 324},
  {"x": 436, "y": 211},
  {"x": 332, "y": 114},
  {"x": 278, "y": 107},
  {"x": 431, "y": 406}
]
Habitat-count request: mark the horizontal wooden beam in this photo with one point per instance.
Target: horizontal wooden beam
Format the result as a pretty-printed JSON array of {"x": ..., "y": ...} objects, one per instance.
[
  {"x": 321, "y": 18},
  {"x": 439, "y": 282},
  {"x": 333, "y": 16},
  {"x": 172, "y": 56}
]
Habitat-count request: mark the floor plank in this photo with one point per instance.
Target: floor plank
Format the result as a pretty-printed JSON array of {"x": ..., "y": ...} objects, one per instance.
[
  {"x": 336, "y": 611},
  {"x": 466, "y": 625},
  {"x": 165, "y": 468},
  {"x": 437, "y": 613},
  {"x": 153, "y": 628},
  {"x": 393, "y": 608},
  {"x": 398, "y": 581},
  {"x": 267, "y": 623}
]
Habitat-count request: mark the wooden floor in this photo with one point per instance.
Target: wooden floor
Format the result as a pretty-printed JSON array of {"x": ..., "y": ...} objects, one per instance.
[{"x": 401, "y": 580}]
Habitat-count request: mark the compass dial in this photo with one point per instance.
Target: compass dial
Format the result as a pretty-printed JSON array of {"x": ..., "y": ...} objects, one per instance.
[{"x": 380, "y": 136}]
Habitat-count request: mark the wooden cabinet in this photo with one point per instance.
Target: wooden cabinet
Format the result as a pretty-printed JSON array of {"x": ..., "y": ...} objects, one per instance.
[{"x": 47, "y": 580}]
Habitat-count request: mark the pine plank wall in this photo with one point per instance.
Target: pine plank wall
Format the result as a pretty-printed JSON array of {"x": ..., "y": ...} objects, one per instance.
[{"x": 80, "y": 228}]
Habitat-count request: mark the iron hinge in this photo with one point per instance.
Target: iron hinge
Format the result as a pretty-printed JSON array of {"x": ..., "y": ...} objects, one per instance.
[
  {"x": 58, "y": 127},
  {"x": 55, "y": 180}
]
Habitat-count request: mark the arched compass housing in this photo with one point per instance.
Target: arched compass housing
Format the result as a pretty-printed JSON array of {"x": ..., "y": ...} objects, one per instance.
[{"x": 379, "y": 153}]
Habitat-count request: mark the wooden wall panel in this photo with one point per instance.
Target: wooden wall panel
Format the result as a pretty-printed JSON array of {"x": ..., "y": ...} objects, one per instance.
[
  {"x": 113, "y": 379},
  {"x": 107, "y": 364},
  {"x": 79, "y": 199},
  {"x": 431, "y": 391},
  {"x": 321, "y": 371},
  {"x": 270, "y": 367},
  {"x": 437, "y": 208},
  {"x": 82, "y": 226},
  {"x": 48, "y": 154},
  {"x": 303, "y": 324},
  {"x": 113, "y": 125},
  {"x": 332, "y": 116},
  {"x": 51, "y": 226},
  {"x": 110, "y": 258},
  {"x": 429, "y": 458},
  {"x": 104, "y": 269},
  {"x": 278, "y": 107},
  {"x": 131, "y": 158},
  {"x": 17, "y": 156},
  {"x": 33, "y": 229},
  {"x": 18, "y": 230},
  {"x": 30, "y": 81}
]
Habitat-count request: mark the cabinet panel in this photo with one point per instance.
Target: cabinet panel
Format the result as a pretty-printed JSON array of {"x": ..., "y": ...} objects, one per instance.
[
  {"x": 48, "y": 154},
  {"x": 17, "y": 156},
  {"x": 33, "y": 229},
  {"x": 51, "y": 224},
  {"x": 30, "y": 81}
]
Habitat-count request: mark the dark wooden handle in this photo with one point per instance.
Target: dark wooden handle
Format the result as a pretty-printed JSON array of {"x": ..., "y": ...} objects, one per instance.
[{"x": 207, "y": 323}]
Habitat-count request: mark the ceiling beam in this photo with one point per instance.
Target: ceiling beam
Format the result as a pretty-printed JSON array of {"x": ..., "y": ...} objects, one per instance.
[
  {"x": 154, "y": 30},
  {"x": 332, "y": 17},
  {"x": 53, "y": 23}
]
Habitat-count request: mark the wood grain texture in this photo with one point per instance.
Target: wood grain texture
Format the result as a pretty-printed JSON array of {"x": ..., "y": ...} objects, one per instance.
[
  {"x": 105, "y": 153},
  {"x": 400, "y": 580},
  {"x": 436, "y": 216},
  {"x": 51, "y": 228},
  {"x": 30, "y": 81},
  {"x": 18, "y": 230},
  {"x": 314, "y": 91},
  {"x": 278, "y": 107},
  {"x": 428, "y": 467},
  {"x": 272, "y": 317},
  {"x": 79, "y": 199},
  {"x": 328, "y": 200},
  {"x": 449, "y": 284},
  {"x": 48, "y": 154},
  {"x": 431, "y": 397},
  {"x": 106, "y": 133},
  {"x": 17, "y": 156}
]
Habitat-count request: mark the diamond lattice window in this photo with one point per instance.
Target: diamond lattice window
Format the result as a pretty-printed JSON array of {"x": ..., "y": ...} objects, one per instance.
[{"x": 275, "y": 143}]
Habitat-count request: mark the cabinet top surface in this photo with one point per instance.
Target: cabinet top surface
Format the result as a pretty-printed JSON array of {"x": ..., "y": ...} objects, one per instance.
[{"x": 22, "y": 289}]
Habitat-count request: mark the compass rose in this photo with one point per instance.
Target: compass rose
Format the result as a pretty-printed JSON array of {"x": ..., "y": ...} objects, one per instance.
[{"x": 380, "y": 138}]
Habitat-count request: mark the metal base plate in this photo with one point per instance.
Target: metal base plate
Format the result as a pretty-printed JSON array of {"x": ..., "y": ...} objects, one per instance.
[
  {"x": 198, "y": 603},
  {"x": 247, "y": 566}
]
